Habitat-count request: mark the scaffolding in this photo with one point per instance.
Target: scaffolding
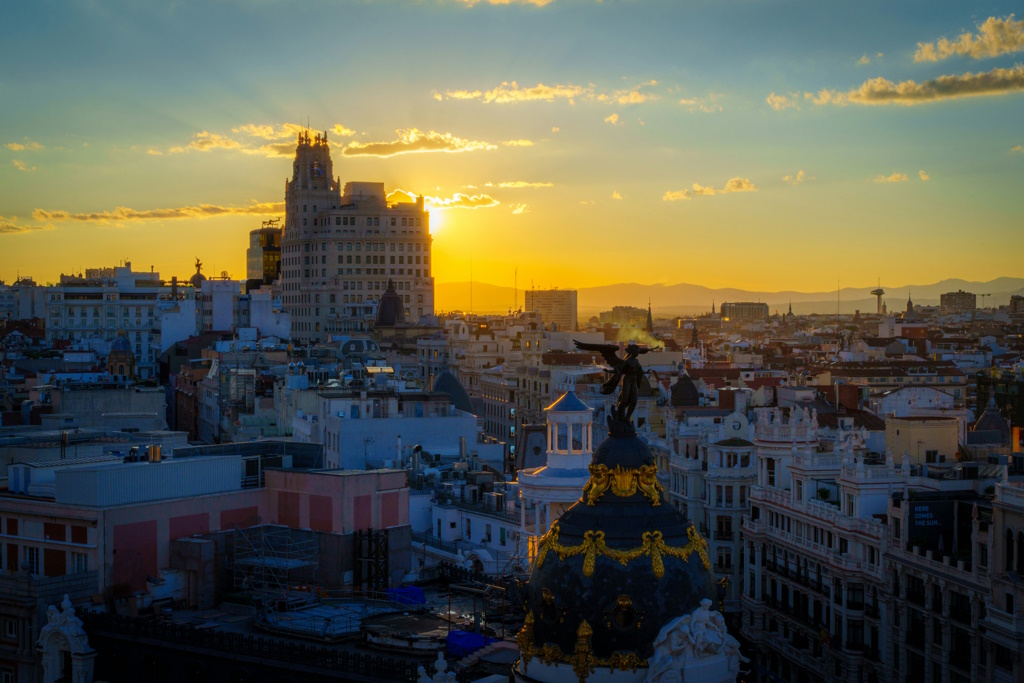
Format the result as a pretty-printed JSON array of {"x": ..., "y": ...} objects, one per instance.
[{"x": 270, "y": 560}]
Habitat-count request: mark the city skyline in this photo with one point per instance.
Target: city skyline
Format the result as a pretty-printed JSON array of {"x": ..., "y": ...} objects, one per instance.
[{"x": 859, "y": 143}]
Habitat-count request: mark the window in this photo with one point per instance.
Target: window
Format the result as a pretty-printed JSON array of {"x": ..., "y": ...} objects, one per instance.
[
  {"x": 10, "y": 629},
  {"x": 80, "y": 563},
  {"x": 469, "y": 528},
  {"x": 32, "y": 559}
]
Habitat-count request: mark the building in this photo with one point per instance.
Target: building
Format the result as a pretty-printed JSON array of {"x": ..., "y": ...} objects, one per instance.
[
  {"x": 263, "y": 257},
  {"x": 340, "y": 249},
  {"x": 104, "y": 303},
  {"x": 624, "y": 316},
  {"x": 958, "y": 302},
  {"x": 744, "y": 311},
  {"x": 557, "y": 307}
]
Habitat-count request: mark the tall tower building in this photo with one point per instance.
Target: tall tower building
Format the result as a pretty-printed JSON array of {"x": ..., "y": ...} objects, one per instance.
[{"x": 340, "y": 249}]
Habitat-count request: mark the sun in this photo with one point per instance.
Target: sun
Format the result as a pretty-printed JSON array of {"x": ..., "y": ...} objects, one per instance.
[{"x": 435, "y": 218}]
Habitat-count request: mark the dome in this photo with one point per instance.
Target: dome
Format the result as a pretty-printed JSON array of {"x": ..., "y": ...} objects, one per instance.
[
  {"x": 390, "y": 309},
  {"x": 121, "y": 344},
  {"x": 684, "y": 393},
  {"x": 615, "y": 568},
  {"x": 991, "y": 421},
  {"x": 197, "y": 281},
  {"x": 568, "y": 402},
  {"x": 447, "y": 383}
]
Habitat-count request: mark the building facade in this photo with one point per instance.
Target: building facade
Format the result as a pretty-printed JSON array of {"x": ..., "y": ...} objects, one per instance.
[
  {"x": 744, "y": 311},
  {"x": 958, "y": 302},
  {"x": 556, "y": 307},
  {"x": 263, "y": 257},
  {"x": 339, "y": 249}
]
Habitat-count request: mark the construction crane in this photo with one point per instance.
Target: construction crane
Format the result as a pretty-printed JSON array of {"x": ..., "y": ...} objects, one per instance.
[{"x": 983, "y": 299}]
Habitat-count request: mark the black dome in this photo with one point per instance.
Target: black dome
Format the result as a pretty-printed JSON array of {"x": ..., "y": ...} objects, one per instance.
[
  {"x": 684, "y": 393},
  {"x": 390, "y": 309},
  {"x": 448, "y": 383},
  {"x": 626, "y": 564},
  {"x": 992, "y": 421}
]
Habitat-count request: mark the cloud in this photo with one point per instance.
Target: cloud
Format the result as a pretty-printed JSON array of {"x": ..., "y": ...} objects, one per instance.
[
  {"x": 204, "y": 141},
  {"x": 516, "y": 184},
  {"x": 413, "y": 140},
  {"x": 154, "y": 152},
  {"x": 11, "y": 226},
  {"x": 269, "y": 132},
  {"x": 28, "y": 145},
  {"x": 612, "y": 119},
  {"x": 924, "y": 176},
  {"x": 995, "y": 37},
  {"x": 795, "y": 180},
  {"x": 341, "y": 130},
  {"x": 616, "y": 195},
  {"x": 883, "y": 91},
  {"x": 456, "y": 201},
  {"x": 630, "y": 95},
  {"x": 780, "y": 102},
  {"x": 123, "y": 214},
  {"x": 510, "y": 92},
  {"x": 517, "y": 143},
  {"x": 708, "y": 104},
  {"x": 739, "y": 185},
  {"x": 863, "y": 60},
  {"x": 1017, "y": 148},
  {"x": 894, "y": 178},
  {"x": 176, "y": 150},
  {"x": 732, "y": 185},
  {"x": 535, "y": 3},
  {"x": 22, "y": 166},
  {"x": 519, "y": 209},
  {"x": 555, "y": 129}
]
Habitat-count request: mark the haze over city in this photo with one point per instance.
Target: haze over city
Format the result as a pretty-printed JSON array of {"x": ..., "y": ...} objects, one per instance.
[{"x": 759, "y": 145}]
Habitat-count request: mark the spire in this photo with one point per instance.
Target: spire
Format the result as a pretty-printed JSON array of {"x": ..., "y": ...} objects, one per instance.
[
  {"x": 790, "y": 307},
  {"x": 650, "y": 318},
  {"x": 712, "y": 307}
]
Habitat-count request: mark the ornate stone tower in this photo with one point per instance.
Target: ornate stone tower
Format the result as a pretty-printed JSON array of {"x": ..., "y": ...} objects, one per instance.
[{"x": 312, "y": 189}]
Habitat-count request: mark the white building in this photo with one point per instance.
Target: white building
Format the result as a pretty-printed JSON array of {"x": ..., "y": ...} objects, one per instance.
[{"x": 556, "y": 307}]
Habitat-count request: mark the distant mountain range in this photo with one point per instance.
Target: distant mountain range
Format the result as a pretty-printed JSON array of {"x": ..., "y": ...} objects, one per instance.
[{"x": 687, "y": 299}]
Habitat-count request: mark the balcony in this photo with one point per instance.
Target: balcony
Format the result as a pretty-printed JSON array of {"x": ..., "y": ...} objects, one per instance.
[{"x": 1003, "y": 620}]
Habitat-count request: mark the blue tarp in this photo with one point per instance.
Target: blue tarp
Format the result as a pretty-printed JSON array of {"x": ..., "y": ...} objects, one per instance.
[
  {"x": 407, "y": 596},
  {"x": 462, "y": 643}
]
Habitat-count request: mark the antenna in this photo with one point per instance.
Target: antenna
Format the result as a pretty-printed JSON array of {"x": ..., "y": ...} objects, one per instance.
[{"x": 471, "y": 284}]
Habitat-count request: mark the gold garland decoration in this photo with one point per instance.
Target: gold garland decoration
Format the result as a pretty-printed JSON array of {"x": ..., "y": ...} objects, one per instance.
[
  {"x": 623, "y": 483},
  {"x": 653, "y": 545},
  {"x": 550, "y": 653},
  {"x": 583, "y": 657}
]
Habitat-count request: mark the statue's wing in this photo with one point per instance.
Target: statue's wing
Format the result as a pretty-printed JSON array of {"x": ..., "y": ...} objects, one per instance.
[
  {"x": 607, "y": 351},
  {"x": 645, "y": 349}
]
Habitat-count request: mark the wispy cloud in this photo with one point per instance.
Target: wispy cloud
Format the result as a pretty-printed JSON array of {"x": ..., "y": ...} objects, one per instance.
[
  {"x": 517, "y": 143},
  {"x": 517, "y": 184},
  {"x": 732, "y": 185},
  {"x": 708, "y": 104},
  {"x": 535, "y": 3},
  {"x": 780, "y": 102},
  {"x": 413, "y": 140},
  {"x": 896, "y": 177},
  {"x": 995, "y": 37},
  {"x": 519, "y": 209},
  {"x": 867, "y": 60},
  {"x": 28, "y": 145},
  {"x": 11, "y": 226},
  {"x": 204, "y": 141},
  {"x": 883, "y": 91},
  {"x": 616, "y": 195},
  {"x": 555, "y": 129},
  {"x": 924, "y": 176},
  {"x": 795, "y": 180},
  {"x": 637, "y": 94},
  {"x": 22, "y": 166},
  {"x": 1017, "y": 148},
  {"x": 154, "y": 152},
  {"x": 123, "y": 214},
  {"x": 456, "y": 201},
  {"x": 612, "y": 119},
  {"x": 509, "y": 92}
]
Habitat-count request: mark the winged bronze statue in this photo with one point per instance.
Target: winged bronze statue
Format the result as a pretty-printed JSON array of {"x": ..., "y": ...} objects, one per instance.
[{"x": 626, "y": 370}]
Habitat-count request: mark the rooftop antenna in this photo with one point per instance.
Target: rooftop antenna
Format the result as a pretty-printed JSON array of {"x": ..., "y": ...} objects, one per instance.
[
  {"x": 515, "y": 288},
  {"x": 470, "y": 285}
]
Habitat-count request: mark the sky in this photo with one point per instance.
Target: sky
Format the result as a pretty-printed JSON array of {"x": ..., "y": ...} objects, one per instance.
[{"x": 758, "y": 144}]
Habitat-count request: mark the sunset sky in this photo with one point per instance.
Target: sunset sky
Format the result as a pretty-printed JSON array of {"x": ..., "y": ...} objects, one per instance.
[{"x": 756, "y": 144}]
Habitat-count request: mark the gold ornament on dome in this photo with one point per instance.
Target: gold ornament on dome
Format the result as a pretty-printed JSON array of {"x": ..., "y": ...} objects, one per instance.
[
  {"x": 653, "y": 546},
  {"x": 623, "y": 483},
  {"x": 524, "y": 639},
  {"x": 582, "y": 656}
]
